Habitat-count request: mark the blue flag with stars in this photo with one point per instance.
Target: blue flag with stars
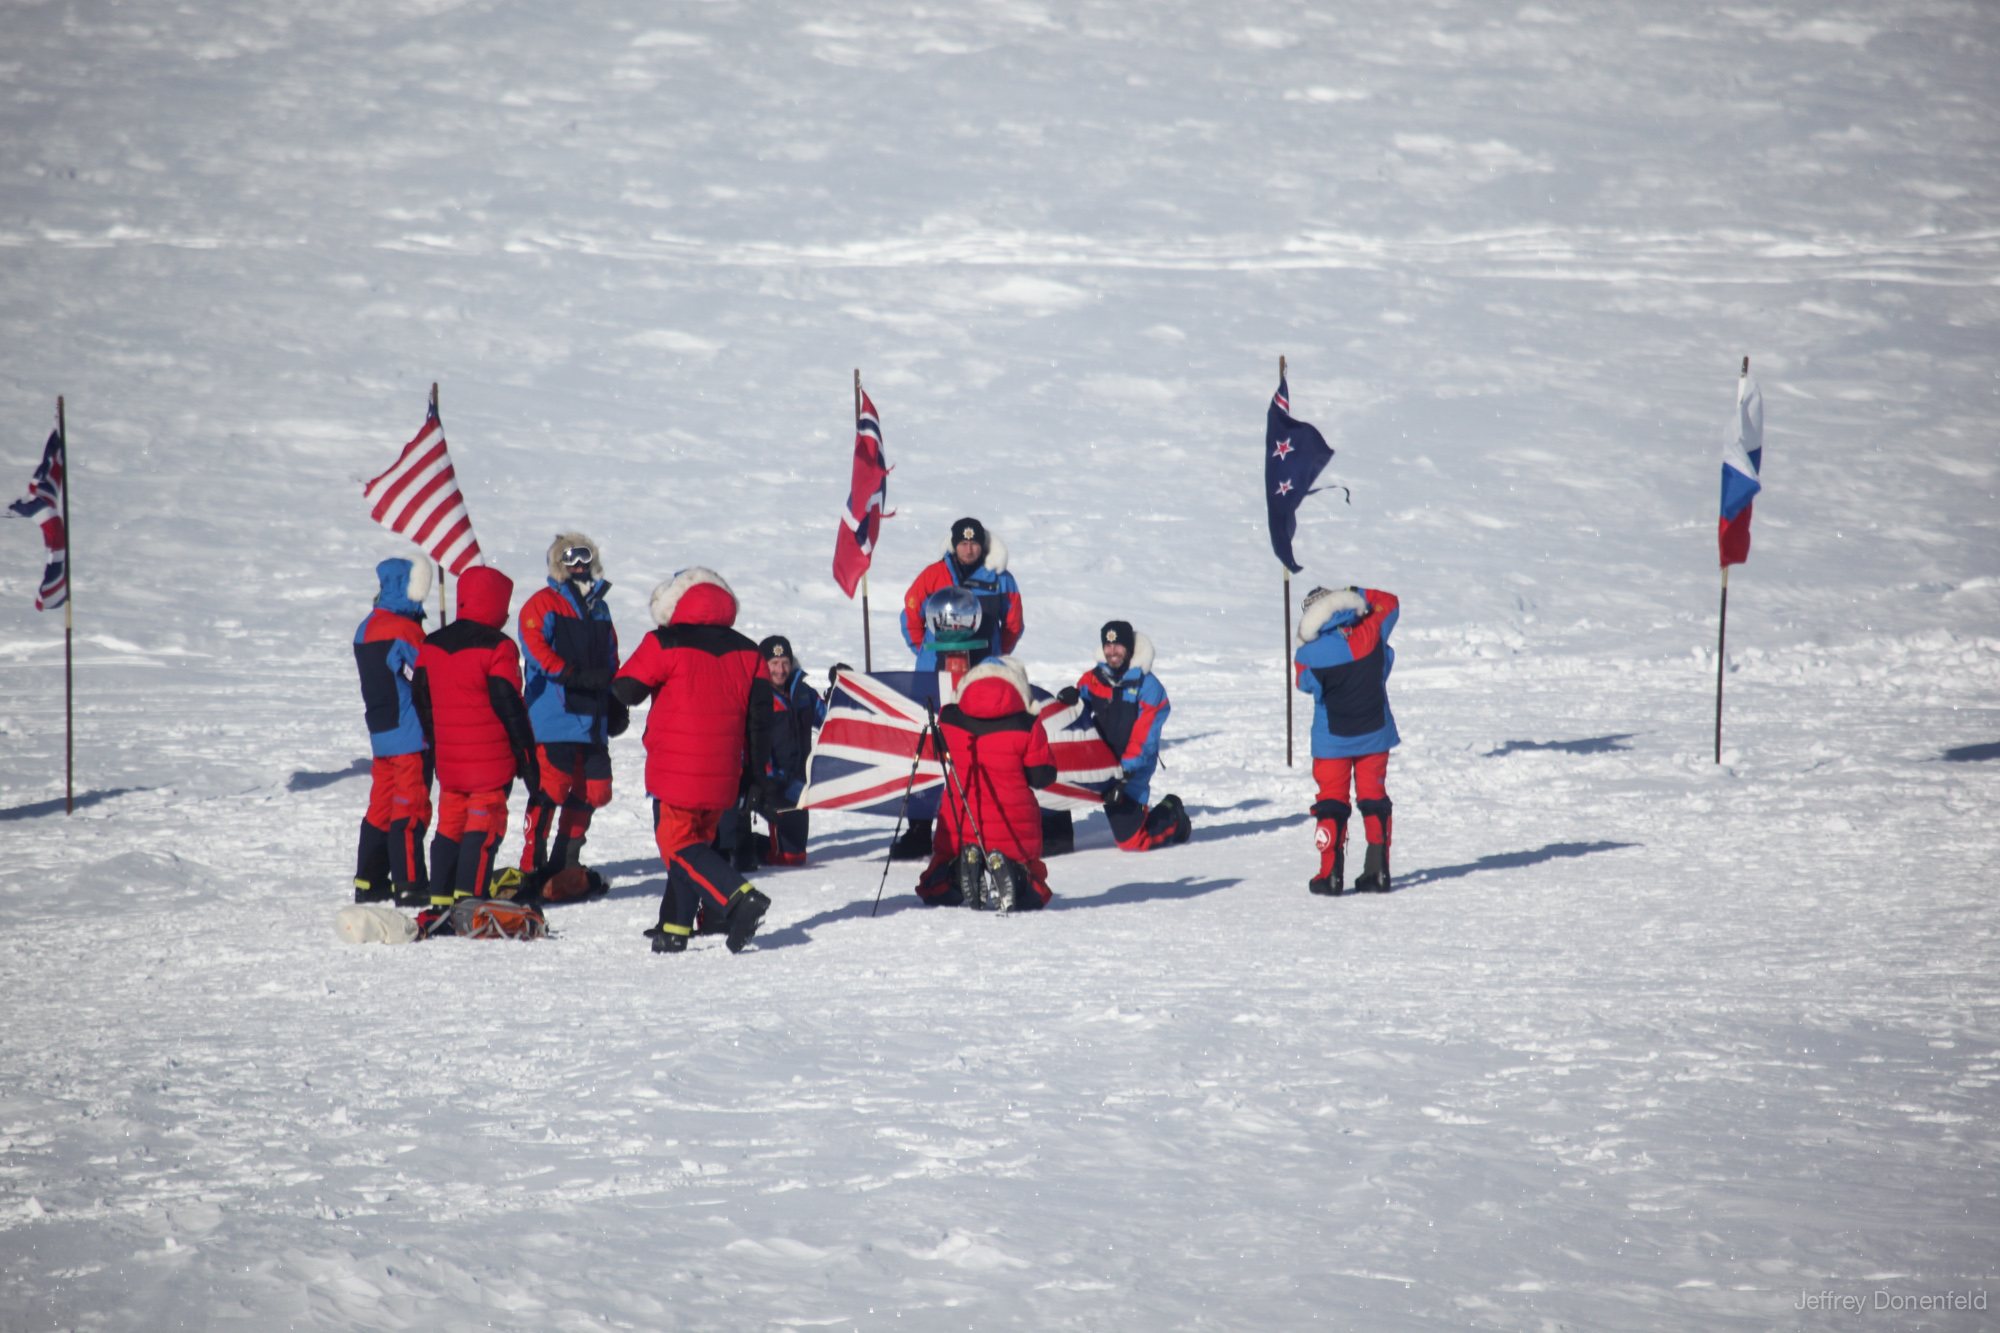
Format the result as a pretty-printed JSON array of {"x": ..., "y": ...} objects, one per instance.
[{"x": 1294, "y": 455}]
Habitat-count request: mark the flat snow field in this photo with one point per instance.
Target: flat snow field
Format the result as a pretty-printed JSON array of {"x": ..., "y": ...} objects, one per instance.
[{"x": 1640, "y": 1041}]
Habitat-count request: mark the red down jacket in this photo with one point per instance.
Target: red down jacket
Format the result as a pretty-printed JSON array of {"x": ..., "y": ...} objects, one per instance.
[
  {"x": 711, "y": 696},
  {"x": 468, "y": 690},
  {"x": 1001, "y": 754}
]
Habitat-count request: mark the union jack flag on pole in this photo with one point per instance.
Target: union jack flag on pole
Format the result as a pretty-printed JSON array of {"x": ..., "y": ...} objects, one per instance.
[
  {"x": 418, "y": 498},
  {"x": 861, "y": 758},
  {"x": 43, "y": 504},
  {"x": 867, "y": 492}
]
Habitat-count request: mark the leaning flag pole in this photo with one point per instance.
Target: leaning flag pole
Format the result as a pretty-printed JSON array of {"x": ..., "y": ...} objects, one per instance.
[
  {"x": 1742, "y": 478},
  {"x": 444, "y": 576},
  {"x": 69, "y": 624}
]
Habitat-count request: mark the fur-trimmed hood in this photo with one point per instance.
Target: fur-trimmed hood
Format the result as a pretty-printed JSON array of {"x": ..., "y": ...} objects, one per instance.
[
  {"x": 406, "y": 584},
  {"x": 565, "y": 540},
  {"x": 996, "y": 551},
  {"x": 1142, "y": 652},
  {"x": 997, "y": 687},
  {"x": 1329, "y": 606},
  {"x": 696, "y": 596}
]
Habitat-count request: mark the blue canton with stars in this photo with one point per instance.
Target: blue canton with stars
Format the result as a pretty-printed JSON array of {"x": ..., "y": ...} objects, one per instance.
[{"x": 1294, "y": 455}]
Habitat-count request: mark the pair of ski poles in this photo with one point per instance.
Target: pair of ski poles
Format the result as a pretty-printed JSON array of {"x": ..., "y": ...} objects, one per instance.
[{"x": 953, "y": 787}]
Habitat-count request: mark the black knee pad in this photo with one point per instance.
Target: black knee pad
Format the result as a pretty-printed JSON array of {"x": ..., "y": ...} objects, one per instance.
[
  {"x": 1338, "y": 811},
  {"x": 1379, "y": 809}
]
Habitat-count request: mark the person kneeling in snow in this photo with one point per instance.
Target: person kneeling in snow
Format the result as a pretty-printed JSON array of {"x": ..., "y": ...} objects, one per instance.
[
  {"x": 796, "y": 714},
  {"x": 711, "y": 714},
  {"x": 999, "y": 757},
  {"x": 572, "y": 654},
  {"x": 468, "y": 694},
  {"x": 1129, "y": 707},
  {"x": 1343, "y": 662},
  {"x": 391, "y": 860}
]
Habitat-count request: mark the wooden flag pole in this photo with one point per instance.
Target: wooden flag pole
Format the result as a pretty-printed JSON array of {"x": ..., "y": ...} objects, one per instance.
[
  {"x": 443, "y": 618},
  {"x": 867, "y": 645},
  {"x": 69, "y": 625},
  {"x": 1285, "y": 660},
  {"x": 1722, "y": 622}
]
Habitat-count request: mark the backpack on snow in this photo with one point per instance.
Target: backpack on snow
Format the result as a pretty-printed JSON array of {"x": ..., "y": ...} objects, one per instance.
[{"x": 485, "y": 919}]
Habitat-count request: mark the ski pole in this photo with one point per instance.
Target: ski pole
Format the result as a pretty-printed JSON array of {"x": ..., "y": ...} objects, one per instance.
[
  {"x": 959, "y": 790},
  {"x": 915, "y": 760}
]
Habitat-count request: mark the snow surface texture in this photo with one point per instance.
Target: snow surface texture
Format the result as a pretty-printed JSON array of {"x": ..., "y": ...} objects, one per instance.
[{"x": 1640, "y": 1041}]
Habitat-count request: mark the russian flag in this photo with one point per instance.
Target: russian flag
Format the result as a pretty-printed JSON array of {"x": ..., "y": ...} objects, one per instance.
[{"x": 1742, "y": 472}]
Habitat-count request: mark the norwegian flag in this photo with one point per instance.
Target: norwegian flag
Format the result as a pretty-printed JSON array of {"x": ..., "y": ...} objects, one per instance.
[
  {"x": 867, "y": 492},
  {"x": 418, "y": 498},
  {"x": 44, "y": 504},
  {"x": 861, "y": 759}
]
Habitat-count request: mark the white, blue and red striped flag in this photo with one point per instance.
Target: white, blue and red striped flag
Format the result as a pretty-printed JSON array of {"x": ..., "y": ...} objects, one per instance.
[
  {"x": 861, "y": 758},
  {"x": 418, "y": 498},
  {"x": 44, "y": 504},
  {"x": 867, "y": 492},
  {"x": 1742, "y": 472}
]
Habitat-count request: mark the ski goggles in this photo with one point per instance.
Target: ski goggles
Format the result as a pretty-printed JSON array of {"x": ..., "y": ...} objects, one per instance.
[{"x": 577, "y": 557}]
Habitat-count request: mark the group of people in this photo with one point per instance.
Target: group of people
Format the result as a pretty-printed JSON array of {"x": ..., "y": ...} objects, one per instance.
[{"x": 730, "y": 727}]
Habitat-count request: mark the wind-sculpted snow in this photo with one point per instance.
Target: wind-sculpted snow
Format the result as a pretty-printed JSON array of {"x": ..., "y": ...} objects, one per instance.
[{"x": 1639, "y": 1041}]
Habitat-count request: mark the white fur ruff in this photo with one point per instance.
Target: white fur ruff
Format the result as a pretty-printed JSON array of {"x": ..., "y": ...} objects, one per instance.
[
  {"x": 565, "y": 540},
  {"x": 419, "y": 585},
  {"x": 1000, "y": 668},
  {"x": 996, "y": 551},
  {"x": 668, "y": 595},
  {"x": 1142, "y": 652},
  {"x": 1313, "y": 618}
]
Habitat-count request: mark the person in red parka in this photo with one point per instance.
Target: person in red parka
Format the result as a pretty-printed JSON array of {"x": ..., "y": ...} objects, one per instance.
[
  {"x": 708, "y": 730},
  {"x": 468, "y": 694},
  {"x": 1000, "y": 757}
]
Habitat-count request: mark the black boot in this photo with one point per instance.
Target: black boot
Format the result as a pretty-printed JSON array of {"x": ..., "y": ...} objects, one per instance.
[
  {"x": 971, "y": 873},
  {"x": 915, "y": 844},
  {"x": 1183, "y": 826},
  {"x": 1058, "y": 833},
  {"x": 1374, "y": 877},
  {"x": 444, "y": 872},
  {"x": 745, "y": 914},
  {"x": 371, "y": 866},
  {"x": 667, "y": 941}
]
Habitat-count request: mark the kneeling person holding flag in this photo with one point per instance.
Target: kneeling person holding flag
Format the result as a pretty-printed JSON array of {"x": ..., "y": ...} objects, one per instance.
[{"x": 1129, "y": 708}]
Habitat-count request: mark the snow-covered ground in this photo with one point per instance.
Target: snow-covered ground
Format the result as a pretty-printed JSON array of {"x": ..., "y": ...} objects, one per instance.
[{"x": 1641, "y": 1041}]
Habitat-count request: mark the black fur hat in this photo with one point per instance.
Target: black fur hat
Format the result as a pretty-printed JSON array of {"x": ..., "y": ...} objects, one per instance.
[
  {"x": 1117, "y": 631},
  {"x": 774, "y": 646},
  {"x": 970, "y": 530}
]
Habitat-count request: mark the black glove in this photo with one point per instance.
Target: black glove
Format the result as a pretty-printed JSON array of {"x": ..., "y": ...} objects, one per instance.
[
  {"x": 617, "y": 717},
  {"x": 768, "y": 796},
  {"x": 585, "y": 678},
  {"x": 531, "y": 771},
  {"x": 1067, "y": 695},
  {"x": 1114, "y": 791},
  {"x": 833, "y": 673}
]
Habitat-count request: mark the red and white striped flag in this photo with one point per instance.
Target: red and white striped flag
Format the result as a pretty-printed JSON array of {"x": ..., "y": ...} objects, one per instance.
[{"x": 418, "y": 498}]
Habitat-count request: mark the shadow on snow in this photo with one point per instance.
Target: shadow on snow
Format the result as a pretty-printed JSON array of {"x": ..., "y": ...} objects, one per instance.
[
  {"x": 1969, "y": 754},
  {"x": 1595, "y": 745},
  {"x": 1508, "y": 861},
  {"x": 55, "y": 807},
  {"x": 306, "y": 780}
]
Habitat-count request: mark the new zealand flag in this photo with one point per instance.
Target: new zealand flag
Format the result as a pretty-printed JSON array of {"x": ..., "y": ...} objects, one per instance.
[{"x": 1294, "y": 455}]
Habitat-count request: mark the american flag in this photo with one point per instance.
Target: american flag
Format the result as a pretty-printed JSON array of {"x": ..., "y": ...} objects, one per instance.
[
  {"x": 44, "y": 504},
  {"x": 867, "y": 492},
  {"x": 861, "y": 758},
  {"x": 418, "y": 498}
]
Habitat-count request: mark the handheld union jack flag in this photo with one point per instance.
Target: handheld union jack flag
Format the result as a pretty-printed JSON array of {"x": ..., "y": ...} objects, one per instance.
[
  {"x": 1294, "y": 455},
  {"x": 867, "y": 492},
  {"x": 861, "y": 759},
  {"x": 44, "y": 504}
]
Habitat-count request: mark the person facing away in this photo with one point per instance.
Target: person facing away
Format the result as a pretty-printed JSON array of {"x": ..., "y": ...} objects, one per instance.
[
  {"x": 1129, "y": 708},
  {"x": 468, "y": 693},
  {"x": 709, "y": 725},
  {"x": 999, "y": 757},
  {"x": 390, "y": 863},
  {"x": 571, "y": 651},
  {"x": 1343, "y": 661},
  {"x": 939, "y": 627}
]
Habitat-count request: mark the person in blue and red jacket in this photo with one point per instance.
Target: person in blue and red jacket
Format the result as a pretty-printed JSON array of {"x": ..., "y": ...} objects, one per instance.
[
  {"x": 1129, "y": 707},
  {"x": 390, "y": 863},
  {"x": 1000, "y": 757},
  {"x": 709, "y": 724},
  {"x": 1343, "y": 662},
  {"x": 571, "y": 653},
  {"x": 796, "y": 713},
  {"x": 976, "y": 560},
  {"x": 468, "y": 695}
]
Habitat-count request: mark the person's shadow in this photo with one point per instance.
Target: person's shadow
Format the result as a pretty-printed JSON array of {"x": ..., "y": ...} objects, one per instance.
[
  {"x": 1594, "y": 745},
  {"x": 36, "y": 809},
  {"x": 1506, "y": 861}
]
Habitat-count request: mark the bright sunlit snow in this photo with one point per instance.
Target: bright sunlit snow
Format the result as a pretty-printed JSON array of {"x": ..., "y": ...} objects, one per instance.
[{"x": 1639, "y": 1041}]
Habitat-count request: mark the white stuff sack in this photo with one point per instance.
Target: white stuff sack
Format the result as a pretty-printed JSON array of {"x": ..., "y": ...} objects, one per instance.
[{"x": 364, "y": 923}]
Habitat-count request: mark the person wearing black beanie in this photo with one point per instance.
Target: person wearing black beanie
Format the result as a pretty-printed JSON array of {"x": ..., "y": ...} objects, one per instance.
[{"x": 1129, "y": 707}]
